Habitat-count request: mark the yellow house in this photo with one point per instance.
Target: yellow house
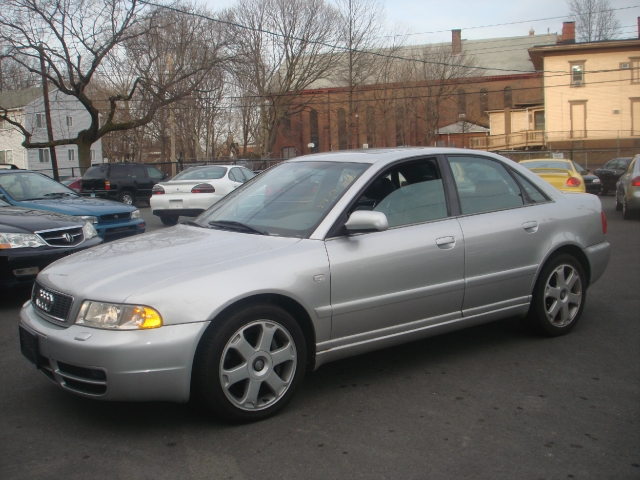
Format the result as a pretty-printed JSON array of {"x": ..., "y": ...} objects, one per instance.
[{"x": 591, "y": 92}]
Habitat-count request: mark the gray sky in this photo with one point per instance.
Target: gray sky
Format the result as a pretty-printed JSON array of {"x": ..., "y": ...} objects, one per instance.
[{"x": 417, "y": 16}]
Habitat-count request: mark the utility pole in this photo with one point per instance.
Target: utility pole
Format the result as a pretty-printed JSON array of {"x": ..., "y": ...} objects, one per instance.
[
  {"x": 47, "y": 113},
  {"x": 172, "y": 128}
]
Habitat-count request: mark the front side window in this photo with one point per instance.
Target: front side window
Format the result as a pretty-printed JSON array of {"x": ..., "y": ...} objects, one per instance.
[
  {"x": 288, "y": 200},
  {"x": 408, "y": 193},
  {"x": 154, "y": 173},
  {"x": 484, "y": 185}
]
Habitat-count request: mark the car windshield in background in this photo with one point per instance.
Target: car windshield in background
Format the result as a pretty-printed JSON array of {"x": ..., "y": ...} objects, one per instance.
[
  {"x": 547, "y": 164},
  {"x": 206, "y": 173},
  {"x": 32, "y": 186},
  {"x": 289, "y": 200}
]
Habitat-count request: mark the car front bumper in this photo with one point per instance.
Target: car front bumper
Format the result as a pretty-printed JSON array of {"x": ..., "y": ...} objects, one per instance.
[
  {"x": 13, "y": 259},
  {"x": 120, "y": 229},
  {"x": 132, "y": 365}
]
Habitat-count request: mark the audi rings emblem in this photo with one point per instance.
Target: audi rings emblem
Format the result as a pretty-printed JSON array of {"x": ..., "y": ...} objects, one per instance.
[{"x": 45, "y": 300}]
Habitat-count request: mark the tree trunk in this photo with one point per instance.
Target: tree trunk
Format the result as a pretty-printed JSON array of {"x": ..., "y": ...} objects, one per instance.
[{"x": 84, "y": 155}]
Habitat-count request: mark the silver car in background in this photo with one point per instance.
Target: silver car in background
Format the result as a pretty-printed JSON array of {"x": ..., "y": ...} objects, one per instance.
[
  {"x": 320, "y": 258},
  {"x": 628, "y": 190}
]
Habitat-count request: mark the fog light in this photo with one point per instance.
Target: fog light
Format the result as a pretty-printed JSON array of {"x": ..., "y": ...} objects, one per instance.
[{"x": 25, "y": 272}]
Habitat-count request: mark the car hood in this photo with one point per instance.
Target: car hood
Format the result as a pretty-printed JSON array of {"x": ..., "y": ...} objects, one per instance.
[
  {"x": 26, "y": 220},
  {"x": 79, "y": 206},
  {"x": 112, "y": 272}
]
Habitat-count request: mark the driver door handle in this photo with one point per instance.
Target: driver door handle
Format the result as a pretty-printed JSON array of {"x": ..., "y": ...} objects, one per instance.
[
  {"x": 446, "y": 242},
  {"x": 530, "y": 227}
]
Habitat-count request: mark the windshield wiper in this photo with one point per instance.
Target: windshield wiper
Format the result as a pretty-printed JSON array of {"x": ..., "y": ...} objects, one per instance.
[
  {"x": 191, "y": 224},
  {"x": 237, "y": 226}
]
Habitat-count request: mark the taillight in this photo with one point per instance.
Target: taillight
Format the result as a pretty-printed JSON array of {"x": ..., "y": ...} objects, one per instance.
[
  {"x": 604, "y": 222},
  {"x": 107, "y": 185},
  {"x": 573, "y": 182},
  {"x": 157, "y": 190},
  {"x": 635, "y": 182},
  {"x": 203, "y": 188}
]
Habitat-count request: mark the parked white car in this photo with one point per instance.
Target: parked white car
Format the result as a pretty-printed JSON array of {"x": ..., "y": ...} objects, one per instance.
[{"x": 194, "y": 190}]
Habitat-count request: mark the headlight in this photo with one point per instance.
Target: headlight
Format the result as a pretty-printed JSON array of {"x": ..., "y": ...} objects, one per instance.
[
  {"x": 118, "y": 317},
  {"x": 90, "y": 218},
  {"x": 135, "y": 214},
  {"x": 20, "y": 240},
  {"x": 596, "y": 180},
  {"x": 89, "y": 231}
]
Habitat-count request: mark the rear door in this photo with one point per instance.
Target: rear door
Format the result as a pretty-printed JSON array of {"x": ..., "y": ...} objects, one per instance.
[
  {"x": 505, "y": 233},
  {"x": 408, "y": 276}
]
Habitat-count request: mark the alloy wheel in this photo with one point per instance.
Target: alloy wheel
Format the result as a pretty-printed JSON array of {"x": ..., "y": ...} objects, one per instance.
[
  {"x": 563, "y": 295},
  {"x": 258, "y": 365}
]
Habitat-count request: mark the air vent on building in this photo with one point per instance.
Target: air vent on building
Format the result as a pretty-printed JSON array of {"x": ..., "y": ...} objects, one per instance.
[
  {"x": 616, "y": 112},
  {"x": 624, "y": 66}
]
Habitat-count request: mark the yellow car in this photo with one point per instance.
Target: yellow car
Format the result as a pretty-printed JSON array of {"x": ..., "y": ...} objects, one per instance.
[{"x": 560, "y": 173}]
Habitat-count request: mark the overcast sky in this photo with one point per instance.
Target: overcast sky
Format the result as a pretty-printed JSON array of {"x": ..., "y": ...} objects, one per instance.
[{"x": 417, "y": 16}]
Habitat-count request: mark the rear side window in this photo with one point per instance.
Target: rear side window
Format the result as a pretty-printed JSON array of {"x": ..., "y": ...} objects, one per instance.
[
  {"x": 535, "y": 195},
  {"x": 119, "y": 171},
  {"x": 484, "y": 185},
  {"x": 96, "y": 173},
  {"x": 236, "y": 175}
]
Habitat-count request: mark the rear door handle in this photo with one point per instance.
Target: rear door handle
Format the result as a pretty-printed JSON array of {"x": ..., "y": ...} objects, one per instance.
[
  {"x": 530, "y": 227},
  {"x": 446, "y": 242}
]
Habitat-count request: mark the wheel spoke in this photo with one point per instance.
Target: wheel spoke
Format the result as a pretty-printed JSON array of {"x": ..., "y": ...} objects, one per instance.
[
  {"x": 285, "y": 354},
  {"x": 575, "y": 299},
  {"x": 572, "y": 279},
  {"x": 566, "y": 314},
  {"x": 268, "y": 330},
  {"x": 553, "y": 292},
  {"x": 235, "y": 375},
  {"x": 244, "y": 348},
  {"x": 553, "y": 311},
  {"x": 250, "y": 399},
  {"x": 276, "y": 383}
]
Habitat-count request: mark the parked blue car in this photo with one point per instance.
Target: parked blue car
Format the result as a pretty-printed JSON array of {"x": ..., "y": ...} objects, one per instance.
[{"x": 112, "y": 220}]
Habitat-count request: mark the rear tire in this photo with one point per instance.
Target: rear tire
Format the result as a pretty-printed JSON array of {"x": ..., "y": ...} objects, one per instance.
[
  {"x": 249, "y": 363},
  {"x": 169, "y": 219},
  {"x": 626, "y": 213},
  {"x": 558, "y": 297},
  {"x": 127, "y": 197},
  {"x": 618, "y": 202}
]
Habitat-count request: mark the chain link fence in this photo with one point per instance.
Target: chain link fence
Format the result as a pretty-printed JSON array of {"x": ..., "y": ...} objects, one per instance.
[{"x": 591, "y": 158}]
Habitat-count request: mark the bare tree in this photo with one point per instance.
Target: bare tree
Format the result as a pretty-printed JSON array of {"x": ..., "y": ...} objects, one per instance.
[
  {"x": 281, "y": 48},
  {"x": 595, "y": 20},
  {"x": 76, "y": 39}
]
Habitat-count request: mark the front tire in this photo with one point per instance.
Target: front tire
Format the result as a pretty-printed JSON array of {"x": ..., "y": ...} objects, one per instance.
[
  {"x": 618, "y": 202},
  {"x": 250, "y": 363},
  {"x": 558, "y": 297},
  {"x": 626, "y": 213},
  {"x": 169, "y": 220}
]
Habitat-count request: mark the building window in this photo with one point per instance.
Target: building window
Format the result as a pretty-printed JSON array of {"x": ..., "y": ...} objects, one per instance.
[
  {"x": 538, "y": 118},
  {"x": 371, "y": 126},
  {"x": 4, "y": 125},
  {"x": 288, "y": 152},
  {"x": 577, "y": 74},
  {"x": 314, "y": 131},
  {"x": 43, "y": 155},
  {"x": 462, "y": 102},
  {"x": 40, "y": 120},
  {"x": 484, "y": 101},
  {"x": 508, "y": 97},
  {"x": 635, "y": 69},
  {"x": 72, "y": 155},
  {"x": 69, "y": 121},
  {"x": 93, "y": 155},
  {"x": 342, "y": 129},
  {"x": 6, "y": 156}
]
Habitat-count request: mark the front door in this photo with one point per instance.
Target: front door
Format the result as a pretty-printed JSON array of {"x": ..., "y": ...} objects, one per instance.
[{"x": 412, "y": 272}]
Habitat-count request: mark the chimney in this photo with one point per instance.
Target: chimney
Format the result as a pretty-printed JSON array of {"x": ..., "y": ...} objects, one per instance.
[
  {"x": 568, "y": 33},
  {"x": 456, "y": 42},
  {"x": 532, "y": 32}
]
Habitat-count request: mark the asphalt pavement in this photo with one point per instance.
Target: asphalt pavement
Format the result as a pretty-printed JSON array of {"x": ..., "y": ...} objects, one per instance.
[{"x": 490, "y": 402}]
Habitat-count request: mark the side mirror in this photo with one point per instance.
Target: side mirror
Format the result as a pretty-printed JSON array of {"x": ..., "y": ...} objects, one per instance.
[{"x": 366, "y": 221}]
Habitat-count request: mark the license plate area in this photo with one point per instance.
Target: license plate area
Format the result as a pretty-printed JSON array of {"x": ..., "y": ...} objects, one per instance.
[
  {"x": 29, "y": 345},
  {"x": 175, "y": 203}
]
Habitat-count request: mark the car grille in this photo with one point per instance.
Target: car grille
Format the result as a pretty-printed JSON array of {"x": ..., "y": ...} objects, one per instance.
[
  {"x": 51, "y": 304},
  {"x": 119, "y": 232},
  {"x": 115, "y": 217},
  {"x": 62, "y": 237}
]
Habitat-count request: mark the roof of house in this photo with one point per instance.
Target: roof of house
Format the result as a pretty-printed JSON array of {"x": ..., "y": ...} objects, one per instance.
[
  {"x": 459, "y": 126},
  {"x": 19, "y": 98}
]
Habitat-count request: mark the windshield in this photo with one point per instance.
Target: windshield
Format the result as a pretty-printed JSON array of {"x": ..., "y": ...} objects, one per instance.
[
  {"x": 564, "y": 165},
  {"x": 32, "y": 186},
  {"x": 201, "y": 173},
  {"x": 289, "y": 200}
]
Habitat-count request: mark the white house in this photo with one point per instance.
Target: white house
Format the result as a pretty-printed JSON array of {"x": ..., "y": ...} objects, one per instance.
[{"x": 68, "y": 117}]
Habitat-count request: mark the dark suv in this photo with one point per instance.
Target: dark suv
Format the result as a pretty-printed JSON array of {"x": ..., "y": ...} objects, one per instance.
[
  {"x": 611, "y": 173},
  {"x": 125, "y": 182}
]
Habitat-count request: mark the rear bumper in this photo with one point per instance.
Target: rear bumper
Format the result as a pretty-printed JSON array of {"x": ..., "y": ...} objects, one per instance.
[
  {"x": 22, "y": 258},
  {"x": 184, "y": 212},
  {"x": 188, "y": 205},
  {"x": 598, "y": 256}
]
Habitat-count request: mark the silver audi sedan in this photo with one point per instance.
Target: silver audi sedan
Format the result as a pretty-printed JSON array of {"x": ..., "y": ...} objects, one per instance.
[{"x": 320, "y": 258}]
